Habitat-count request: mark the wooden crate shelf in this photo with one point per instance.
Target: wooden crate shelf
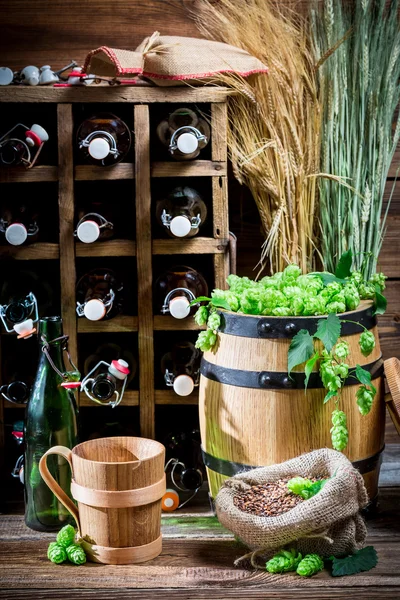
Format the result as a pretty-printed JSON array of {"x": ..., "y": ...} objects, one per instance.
[
  {"x": 169, "y": 397},
  {"x": 119, "y": 324},
  {"x": 131, "y": 398},
  {"x": 39, "y": 251},
  {"x": 198, "y": 245},
  {"x": 145, "y": 248},
  {"x": 22, "y": 175},
  {"x": 94, "y": 173},
  {"x": 167, "y": 323},
  {"x": 195, "y": 168},
  {"x": 110, "y": 248}
]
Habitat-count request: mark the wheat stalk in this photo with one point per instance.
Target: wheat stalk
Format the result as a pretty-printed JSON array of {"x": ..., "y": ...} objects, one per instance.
[{"x": 274, "y": 122}]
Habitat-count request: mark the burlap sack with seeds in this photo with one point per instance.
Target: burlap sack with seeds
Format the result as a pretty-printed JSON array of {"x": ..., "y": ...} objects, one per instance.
[{"x": 329, "y": 523}]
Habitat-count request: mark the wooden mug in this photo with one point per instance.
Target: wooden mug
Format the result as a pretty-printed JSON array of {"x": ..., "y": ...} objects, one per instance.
[{"x": 118, "y": 484}]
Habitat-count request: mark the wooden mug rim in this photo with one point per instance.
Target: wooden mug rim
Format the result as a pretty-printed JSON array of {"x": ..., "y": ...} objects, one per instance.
[{"x": 126, "y": 462}]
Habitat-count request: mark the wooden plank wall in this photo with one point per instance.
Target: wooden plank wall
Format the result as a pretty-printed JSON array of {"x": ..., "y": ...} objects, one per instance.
[{"x": 43, "y": 32}]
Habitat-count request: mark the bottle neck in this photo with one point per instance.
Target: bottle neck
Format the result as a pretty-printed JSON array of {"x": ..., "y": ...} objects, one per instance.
[{"x": 50, "y": 332}]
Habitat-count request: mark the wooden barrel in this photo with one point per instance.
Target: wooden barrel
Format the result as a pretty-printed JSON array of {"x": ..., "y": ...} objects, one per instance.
[
  {"x": 118, "y": 484},
  {"x": 252, "y": 414}
]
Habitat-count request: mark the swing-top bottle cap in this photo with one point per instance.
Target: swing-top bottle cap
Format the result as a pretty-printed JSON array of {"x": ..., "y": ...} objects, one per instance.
[
  {"x": 94, "y": 310},
  {"x": 119, "y": 368},
  {"x": 88, "y": 232},
  {"x": 16, "y": 234},
  {"x": 183, "y": 385},
  {"x": 36, "y": 135},
  {"x": 179, "y": 307},
  {"x": 180, "y": 226},
  {"x": 6, "y": 76},
  {"x": 187, "y": 143},
  {"x": 99, "y": 148},
  {"x": 25, "y": 329},
  {"x": 170, "y": 500}
]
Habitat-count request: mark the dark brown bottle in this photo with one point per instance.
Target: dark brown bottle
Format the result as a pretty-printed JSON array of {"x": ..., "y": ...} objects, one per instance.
[
  {"x": 182, "y": 212},
  {"x": 176, "y": 288},
  {"x": 98, "y": 295},
  {"x": 21, "y": 145},
  {"x": 184, "y": 133},
  {"x": 18, "y": 224},
  {"x": 95, "y": 223},
  {"x": 103, "y": 139},
  {"x": 181, "y": 368}
]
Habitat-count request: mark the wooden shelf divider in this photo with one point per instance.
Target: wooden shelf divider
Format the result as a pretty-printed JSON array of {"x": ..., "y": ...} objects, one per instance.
[
  {"x": 65, "y": 127},
  {"x": 34, "y": 175},
  {"x": 144, "y": 271},
  {"x": 110, "y": 248},
  {"x": 119, "y": 324},
  {"x": 38, "y": 251}
]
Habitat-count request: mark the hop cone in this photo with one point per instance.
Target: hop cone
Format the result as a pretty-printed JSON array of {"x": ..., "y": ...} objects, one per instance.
[
  {"x": 201, "y": 315},
  {"x": 311, "y": 564},
  {"x": 297, "y": 485},
  {"x": 66, "y": 536},
  {"x": 284, "y": 561},
  {"x": 214, "y": 321},
  {"x": 76, "y": 554},
  {"x": 339, "y": 432},
  {"x": 367, "y": 342},
  {"x": 365, "y": 399},
  {"x": 56, "y": 553}
]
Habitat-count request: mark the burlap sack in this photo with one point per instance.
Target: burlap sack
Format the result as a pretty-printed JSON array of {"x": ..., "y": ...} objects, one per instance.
[
  {"x": 172, "y": 60},
  {"x": 329, "y": 523}
]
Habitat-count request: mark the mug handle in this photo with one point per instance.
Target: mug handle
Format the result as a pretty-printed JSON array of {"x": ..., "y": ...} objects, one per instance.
[{"x": 53, "y": 485}]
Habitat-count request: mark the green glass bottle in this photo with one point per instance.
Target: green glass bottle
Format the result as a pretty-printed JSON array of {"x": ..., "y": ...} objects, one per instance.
[{"x": 51, "y": 420}]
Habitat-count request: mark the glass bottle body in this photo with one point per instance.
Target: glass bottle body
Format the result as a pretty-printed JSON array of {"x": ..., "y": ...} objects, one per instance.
[
  {"x": 176, "y": 288},
  {"x": 95, "y": 222},
  {"x": 181, "y": 212},
  {"x": 181, "y": 368},
  {"x": 51, "y": 420},
  {"x": 98, "y": 295},
  {"x": 103, "y": 139},
  {"x": 185, "y": 133}
]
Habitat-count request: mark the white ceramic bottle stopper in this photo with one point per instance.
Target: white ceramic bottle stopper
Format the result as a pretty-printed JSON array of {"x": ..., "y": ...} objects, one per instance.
[
  {"x": 25, "y": 329},
  {"x": 183, "y": 385},
  {"x": 119, "y": 369},
  {"x": 187, "y": 143},
  {"x": 99, "y": 148},
  {"x": 179, "y": 307},
  {"x": 36, "y": 135},
  {"x": 180, "y": 226},
  {"x": 94, "y": 310},
  {"x": 88, "y": 232},
  {"x": 16, "y": 234}
]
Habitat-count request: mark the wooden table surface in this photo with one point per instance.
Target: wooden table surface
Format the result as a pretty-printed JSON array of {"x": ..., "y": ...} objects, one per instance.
[{"x": 197, "y": 562}]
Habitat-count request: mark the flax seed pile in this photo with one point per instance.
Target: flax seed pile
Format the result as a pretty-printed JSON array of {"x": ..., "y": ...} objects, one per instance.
[{"x": 268, "y": 499}]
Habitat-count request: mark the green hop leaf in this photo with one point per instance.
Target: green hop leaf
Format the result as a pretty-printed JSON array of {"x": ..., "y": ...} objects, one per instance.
[
  {"x": 300, "y": 349},
  {"x": 342, "y": 350},
  {"x": 328, "y": 331},
  {"x": 364, "y": 377},
  {"x": 200, "y": 299},
  {"x": 380, "y": 303},
  {"x": 56, "y": 553},
  {"x": 76, "y": 554},
  {"x": 343, "y": 268},
  {"x": 310, "y": 565},
  {"x": 214, "y": 321},
  {"x": 365, "y": 398},
  {"x": 330, "y": 395},
  {"x": 362, "y": 560},
  {"x": 310, "y": 364},
  {"x": 201, "y": 315},
  {"x": 339, "y": 432},
  {"x": 366, "y": 342},
  {"x": 284, "y": 561},
  {"x": 66, "y": 536}
]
